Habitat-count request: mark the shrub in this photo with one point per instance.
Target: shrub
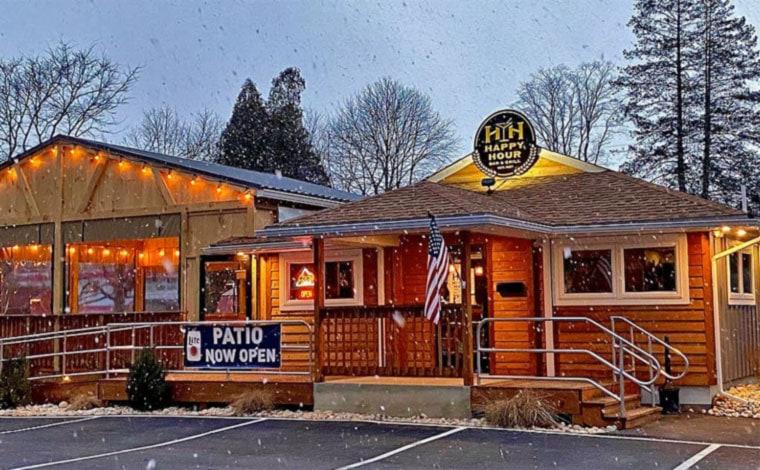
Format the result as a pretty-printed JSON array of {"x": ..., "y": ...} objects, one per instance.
[
  {"x": 15, "y": 389},
  {"x": 146, "y": 384},
  {"x": 84, "y": 401},
  {"x": 524, "y": 410},
  {"x": 251, "y": 402}
]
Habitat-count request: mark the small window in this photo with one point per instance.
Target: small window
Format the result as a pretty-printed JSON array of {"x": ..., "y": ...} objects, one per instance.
[
  {"x": 588, "y": 271},
  {"x": 650, "y": 269},
  {"x": 342, "y": 279},
  {"x": 741, "y": 279}
]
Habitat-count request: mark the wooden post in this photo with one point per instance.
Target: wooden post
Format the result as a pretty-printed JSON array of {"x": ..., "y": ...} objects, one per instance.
[
  {"x": 318, "y": 247},
  {"x": 466, "y": 310}
]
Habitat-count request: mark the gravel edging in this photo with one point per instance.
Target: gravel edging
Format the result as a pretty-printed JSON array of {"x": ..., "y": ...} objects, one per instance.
[
  {"x": 726, "y": 407},
  {"x": 63, "y": 410}
]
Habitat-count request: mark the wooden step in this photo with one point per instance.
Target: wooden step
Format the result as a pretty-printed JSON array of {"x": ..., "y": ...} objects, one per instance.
[
  {"x": 609, "y": 406},
  {"x": 636, "y": 417}
]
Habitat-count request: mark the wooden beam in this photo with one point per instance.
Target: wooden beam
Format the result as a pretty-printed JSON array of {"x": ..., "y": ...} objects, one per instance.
[
  {"x": 165, "y": 193},
  {"x": 467, "y": 310},
  {"x": 384, "y": 241},
  {"x": 318, "y": 248},
  {"x": 92, "y": 185},
  {"x": 28, "y": 195}
]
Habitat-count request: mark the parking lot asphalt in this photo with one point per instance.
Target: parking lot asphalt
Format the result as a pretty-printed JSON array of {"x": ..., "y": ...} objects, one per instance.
[{"x": 151, "y": 442}]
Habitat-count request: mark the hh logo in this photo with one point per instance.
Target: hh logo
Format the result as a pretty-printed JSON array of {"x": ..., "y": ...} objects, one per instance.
[{"x": 193, "y": 346}]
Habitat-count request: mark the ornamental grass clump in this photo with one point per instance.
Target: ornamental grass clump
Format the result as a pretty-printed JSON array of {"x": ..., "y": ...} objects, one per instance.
[
  {"x": 253, "y": 401},
  {"x": 524, "y": 410},
  {"x": 15, "y": 389},
  {"x": 147, "y": 389}
]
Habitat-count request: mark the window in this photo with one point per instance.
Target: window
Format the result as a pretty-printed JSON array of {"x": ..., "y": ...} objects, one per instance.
[
  {"x": 588, "y": 271},
  {"x": 741, "y": 278},
  {"x": 622, "y": 271},
  {"x": 225, "y": 287},
  {"x": 123, "y": 276},
  {"x": 26, "y": 281},
  {"x": 343, "y": 279}
]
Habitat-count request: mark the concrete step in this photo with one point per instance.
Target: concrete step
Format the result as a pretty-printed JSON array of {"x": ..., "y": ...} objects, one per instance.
[{"x": 440, "y": 401}]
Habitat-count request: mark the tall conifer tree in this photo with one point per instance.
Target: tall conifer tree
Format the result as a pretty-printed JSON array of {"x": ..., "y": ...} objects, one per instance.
[{"x": 244, "y": 140}]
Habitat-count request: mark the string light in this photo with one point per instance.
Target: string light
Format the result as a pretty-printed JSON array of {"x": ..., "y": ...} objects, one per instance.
[
  {"x": 72, "y": 250},
  {"x": 247, "y": 196},
  {"x": 145, "y": 170},
  {"x": 90, "y": 251},
  {"x": 192, "y": 180},
  {"x": 161, "y": 253},
  {"x": 219, "y": 188},
  {"x": 106, "y": 252},
  {"x": 176, "y": 252},
  {"x": 726, "y": 228},
  {"x": 741, "y": 232}
]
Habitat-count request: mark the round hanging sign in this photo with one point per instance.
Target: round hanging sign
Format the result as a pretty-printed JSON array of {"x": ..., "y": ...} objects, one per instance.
[{"x": 505, "y": 145}]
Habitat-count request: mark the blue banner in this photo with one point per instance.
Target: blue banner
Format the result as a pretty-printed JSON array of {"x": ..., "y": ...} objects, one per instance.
[{"x": 233, "y": 347}]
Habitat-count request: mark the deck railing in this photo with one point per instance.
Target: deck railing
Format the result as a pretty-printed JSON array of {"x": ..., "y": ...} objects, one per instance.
[
  {"x": 110, "y": 349},
  {"x": 391, "y": 340}
]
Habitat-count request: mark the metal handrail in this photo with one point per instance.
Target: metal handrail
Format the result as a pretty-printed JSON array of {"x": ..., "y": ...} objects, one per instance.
[
  {"x": 652, "y": 338},
  {"x": 134, "y": 327},
  {"x": 619, "y": 343}
]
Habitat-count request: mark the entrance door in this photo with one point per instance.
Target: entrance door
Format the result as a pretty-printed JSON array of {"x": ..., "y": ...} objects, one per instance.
[{"x": 226, "y": 284}]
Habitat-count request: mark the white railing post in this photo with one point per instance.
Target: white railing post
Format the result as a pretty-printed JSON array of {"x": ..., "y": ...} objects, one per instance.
[
  {"x": 622, "y": 379},
  {"x": 132, "y": 356},
  {"x": 479, "y": 370},
  {"x": 108, "y": 350},
  {"x": 65, "y": 343}
]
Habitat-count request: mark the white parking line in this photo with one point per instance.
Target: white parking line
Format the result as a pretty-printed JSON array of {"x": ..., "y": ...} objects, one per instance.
[
  {"x": 137, "y": 449},
  {"x": 50, "y": 425},
  {"x": 405, "y": 448},
  {"x": 698, "y": 456}
]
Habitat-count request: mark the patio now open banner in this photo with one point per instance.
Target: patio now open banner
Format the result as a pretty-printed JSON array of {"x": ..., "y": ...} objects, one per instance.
[{"x": 233, "y": 347}]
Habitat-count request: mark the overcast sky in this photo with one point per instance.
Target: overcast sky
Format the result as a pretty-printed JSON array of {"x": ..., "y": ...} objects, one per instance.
[{"x": 469, "y": 56}]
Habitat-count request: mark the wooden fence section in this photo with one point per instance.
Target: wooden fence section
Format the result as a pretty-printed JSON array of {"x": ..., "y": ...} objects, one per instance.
[
  {"x": 391, "y": 341},
  {"x": 21, "y": 325}
]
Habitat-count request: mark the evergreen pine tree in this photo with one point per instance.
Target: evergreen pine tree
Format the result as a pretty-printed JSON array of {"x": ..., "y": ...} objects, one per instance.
[
  {"x": 659, "y": 87},
  {"x": 289, "y": 148},
  {"x": 243, "y": 142},
  {"x": 730, "y": 116}
]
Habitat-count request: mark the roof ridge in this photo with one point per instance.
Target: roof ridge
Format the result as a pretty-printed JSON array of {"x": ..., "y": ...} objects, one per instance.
[{"x": 518, "y": 208}]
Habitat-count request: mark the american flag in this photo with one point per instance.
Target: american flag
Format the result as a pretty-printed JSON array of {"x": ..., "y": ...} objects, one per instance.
[{"x": 438, "y": 266}]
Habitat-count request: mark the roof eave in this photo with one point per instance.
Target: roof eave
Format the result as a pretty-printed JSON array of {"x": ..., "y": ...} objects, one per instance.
[{"x": 475, "y": 220}]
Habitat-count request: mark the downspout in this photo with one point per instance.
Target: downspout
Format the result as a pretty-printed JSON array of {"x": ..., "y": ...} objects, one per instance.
[{"x": 716, "y": 311}]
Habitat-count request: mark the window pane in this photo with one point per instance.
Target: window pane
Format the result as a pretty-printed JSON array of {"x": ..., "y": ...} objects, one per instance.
[
  {"x": 301, "y": 281},
  {"x": 733, "y": 269},
  {"x": 161, "y": 289},
  {"x": 26, "y": 284},
  {"x": 339, "y": 280},
  {"x": 747, "y": 272},
  {"x": 220, "y": 288},
  {"x": 106, "y": 287},
  {"x": 650, "y": 269},
  {"x": 588, "y": 271}
]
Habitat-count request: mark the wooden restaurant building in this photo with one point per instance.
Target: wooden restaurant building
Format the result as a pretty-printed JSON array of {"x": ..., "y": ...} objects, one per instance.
[
  {"x": 548, "y": 258},
  {"x": 562, "y": 273}
]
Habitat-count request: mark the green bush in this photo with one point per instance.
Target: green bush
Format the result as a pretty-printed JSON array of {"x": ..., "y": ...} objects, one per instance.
[
  {"x": 15, "y": 389},
  {"x": 147, "y": 389}
]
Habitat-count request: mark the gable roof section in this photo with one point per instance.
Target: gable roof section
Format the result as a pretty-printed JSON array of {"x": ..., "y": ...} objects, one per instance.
[
  {"x": 269, "y": 185},
  {"x": 572, "y": 203}
]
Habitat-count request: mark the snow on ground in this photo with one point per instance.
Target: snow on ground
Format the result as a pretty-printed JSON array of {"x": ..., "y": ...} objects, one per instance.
[{"x": 63, "y": 409}]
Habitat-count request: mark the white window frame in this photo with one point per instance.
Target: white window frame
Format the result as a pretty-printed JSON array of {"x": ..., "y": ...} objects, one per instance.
[
  {"x": 287, "y": 259},
  {"x": 741, "y": 298},
  {"x": 619, "y": 296}
]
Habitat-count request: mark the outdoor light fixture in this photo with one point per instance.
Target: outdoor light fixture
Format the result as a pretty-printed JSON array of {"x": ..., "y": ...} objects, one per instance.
[
  {"x": 741, "y": 232},
  {"x": 219, "y": 188},
  {"x": 479, "y": 270},
  {"x": 726, "y": 228},
  {"x": 488, "y": 183},
  {"x": 192, "y": 180}
]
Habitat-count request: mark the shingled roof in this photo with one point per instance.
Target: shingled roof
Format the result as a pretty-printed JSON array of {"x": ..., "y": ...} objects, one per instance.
[
  {"x": 246, "y": 178},
  {"x": 560, "y": 201}
]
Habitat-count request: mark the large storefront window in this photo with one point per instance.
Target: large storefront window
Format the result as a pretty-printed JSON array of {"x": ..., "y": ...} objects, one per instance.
[
  {"x": 26, "y": 281},
  {"x": 343, "y": 279},
  {"x": 622, "y": 271},
  {"x": 123, "y": 276}
]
